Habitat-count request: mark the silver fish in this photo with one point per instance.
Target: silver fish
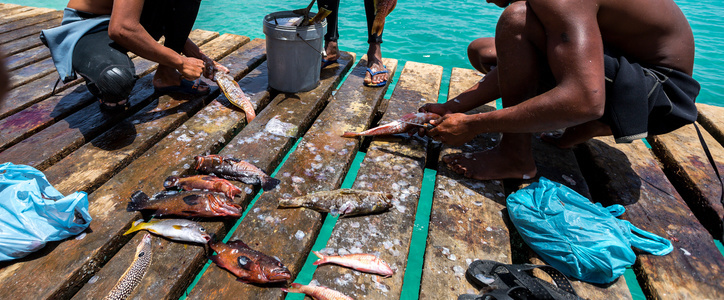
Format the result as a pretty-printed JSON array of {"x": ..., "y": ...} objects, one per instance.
[{"x": 176, "y": 229}]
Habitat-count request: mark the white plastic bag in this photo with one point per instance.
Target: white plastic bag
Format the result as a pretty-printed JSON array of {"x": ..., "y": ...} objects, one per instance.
[{"x": 33, "y": 213}]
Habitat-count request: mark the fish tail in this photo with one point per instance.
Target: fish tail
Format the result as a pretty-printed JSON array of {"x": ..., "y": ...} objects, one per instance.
[
  {"x": 138, "y": 201},
  {"x": 295, "y": 288},
  {"x": 322, "y": 259},
  {"x": 171, "y": 182},
  {"x": 137, "y": 225},
  {"x": 269, "y": 183}
]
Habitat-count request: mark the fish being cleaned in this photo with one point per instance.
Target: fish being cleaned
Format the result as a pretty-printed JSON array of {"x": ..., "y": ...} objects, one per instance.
[
  {"x": 235, "y": 169},
  {"x": 181, "y": 230},
  {"x": 185, "y": 204},
  {"x": 133, "y": 275},
  {"x": 202, "y": 182},
  {"x": 343, "y": 202},
  {"x": 382, "y": 9},
  {"x": 405, "y": 124},
  {"x": 236, "y": 96},
  {"x": 363, "y": 262},
  {"x": 317, "y": 292},
  {"x": 249, "y": 265}
]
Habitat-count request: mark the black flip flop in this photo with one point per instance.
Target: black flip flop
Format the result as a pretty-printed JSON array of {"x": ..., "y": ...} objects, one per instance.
[{"x": 114, "y": 107}]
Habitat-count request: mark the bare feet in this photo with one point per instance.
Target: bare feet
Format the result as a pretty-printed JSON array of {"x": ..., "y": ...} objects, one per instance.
[
  {"x": 374, "y": 63},
  {"x": 577, "y": 134},
  {"x": 168, "y": 77},
  {"x": 332, "y": 51},
  {"x": 492, "y": 164}
]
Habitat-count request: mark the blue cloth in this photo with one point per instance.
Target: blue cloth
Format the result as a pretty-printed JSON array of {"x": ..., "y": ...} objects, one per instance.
[{"x": 61, "y": 40}]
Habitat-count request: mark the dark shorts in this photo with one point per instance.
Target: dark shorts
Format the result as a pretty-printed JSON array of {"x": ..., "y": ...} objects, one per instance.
[{"x": 646, "y": 100}]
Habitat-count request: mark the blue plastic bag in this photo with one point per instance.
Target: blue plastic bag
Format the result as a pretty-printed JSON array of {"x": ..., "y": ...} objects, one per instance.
[
  {"x": 579, "y": 238},
  {"x": 33, "y": 213}
]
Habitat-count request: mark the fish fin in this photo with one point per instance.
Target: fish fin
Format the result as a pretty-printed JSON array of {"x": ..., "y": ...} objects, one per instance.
[
  {"x": 293, "y": 289},
  {"x": 135, "y": 227},
  {"x": 171, "y": 182},
  {"x": 334, "y": 212},
  {"x": 269, "y": 183},
  {"x": 138, "y": 201},
  {"x": 177, "y": 227},
  {"x": 321, "y": 259}
]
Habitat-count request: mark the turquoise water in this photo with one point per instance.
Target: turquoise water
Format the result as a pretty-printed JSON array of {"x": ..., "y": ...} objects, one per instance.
[{"x": 438, "y": 32}]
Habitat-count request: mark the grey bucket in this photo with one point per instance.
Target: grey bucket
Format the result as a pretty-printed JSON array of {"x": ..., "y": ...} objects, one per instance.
[{"x": 294, "y": 54}]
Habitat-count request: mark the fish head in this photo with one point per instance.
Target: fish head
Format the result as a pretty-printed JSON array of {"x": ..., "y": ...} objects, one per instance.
[
  {"x": 170, "y": 182},
  {"x": 385, "y": 201},
  {"x": 275, "y": 271},
  {"x": 197, "y": 233}
]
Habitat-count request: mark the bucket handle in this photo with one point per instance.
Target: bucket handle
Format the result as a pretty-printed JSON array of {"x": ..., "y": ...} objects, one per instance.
[{"x": 323, "y": 52}]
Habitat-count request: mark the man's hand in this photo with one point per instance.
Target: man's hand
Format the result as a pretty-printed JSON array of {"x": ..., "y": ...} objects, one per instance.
[
  {"x": 211, "y": 67},
  {"x": 191, "y": 68},
  {"x": 452, "y": 129}
]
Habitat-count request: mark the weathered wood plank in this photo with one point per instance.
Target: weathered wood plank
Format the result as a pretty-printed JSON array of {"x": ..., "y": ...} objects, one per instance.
[
  {"x": 7, "y": 6},
  {"x": 395, "y": 165},
  {"x": 31, "y": 72},
  {"x": 628, "y": 174},
  {"x": 690, "y": 171},
  {"x": 24, "y": 13},
  {"x": 28, "y": 57},
  {"x": 179, "y": 263},
  {"x": 41, "y": 115},
  {"x": 20, "y": 45},
  {"x": 266, "y": 228},
  {"x": 26, "y": 27},
  {"x": 712, "y": 118},
  {"x": 13, "y": 10},
  {"x": 467, "y": 218}
]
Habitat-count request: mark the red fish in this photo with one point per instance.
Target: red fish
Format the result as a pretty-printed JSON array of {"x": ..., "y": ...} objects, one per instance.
[
  {"x": 235, "y": 169},
  {"x": 185, "y": 204},
  {"x": 202, "y": 182},
  {"x": 396, "y": 126},
  {"x": 361, "y": 262},
  {"x": 382, "y": 9},
  {"x": 249, "y": 265},
  {"x": 317, "y": 292}
]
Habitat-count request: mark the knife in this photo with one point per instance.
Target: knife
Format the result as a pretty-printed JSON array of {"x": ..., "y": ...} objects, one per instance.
[{"x": 427, "y": 126}]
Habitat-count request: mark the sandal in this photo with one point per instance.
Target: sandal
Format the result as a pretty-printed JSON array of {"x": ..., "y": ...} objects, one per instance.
[{"x": 372, "y": 75}]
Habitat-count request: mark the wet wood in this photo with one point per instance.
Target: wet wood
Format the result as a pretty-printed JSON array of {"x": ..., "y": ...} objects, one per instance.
[
  {"x": 24, "y": 13},
  {"x": 278, "y": 232},
  {"x": 712, "y": 118},
  {"x": 394, "y": 165},
  {"x": 685, "y": 162},
  {"x": 467, "y": 218},
  {"x": 627, "y": 174},
  {"x": 29, "y": 26}
]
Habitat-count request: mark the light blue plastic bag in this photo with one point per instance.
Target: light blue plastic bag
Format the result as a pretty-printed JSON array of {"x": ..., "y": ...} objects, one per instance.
[
  {"x": 33, "y": 213},
  {"x": 579, "y": 238}
]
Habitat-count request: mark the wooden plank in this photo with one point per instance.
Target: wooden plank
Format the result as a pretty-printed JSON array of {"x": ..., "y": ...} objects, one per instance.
[
  {"x": 41, "y": 115},
  {"x": 467, "y": 219},
  {"x": 712, "y": 118},
  {"x": 266, "y": 228},
  {"x": 20, "y": 45},
  {"x": 12, "y": 31},
  {"x": 24, "y": 13},
  {"x": 685, "y": 162},
  {"x": 628, "y": 174},
  {"x": 395, "y": 165},
  {"x": 31, "y": 72},
  {"x": 12, "y": 11},
  {"x": 28, "y": 57},
  {"x": 178, "y": 263},
  {"x": 7, "y": 6},
  {"x": 72, "y": 265}
]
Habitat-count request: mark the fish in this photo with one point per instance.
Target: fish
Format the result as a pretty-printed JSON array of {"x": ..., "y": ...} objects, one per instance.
[
  {"x": 135, "y": 272},
  {"x": 363, "y": 262},
  {"x": 235, "y": 169},
  {"x": 249, "y": 265},
  {"x": 382, "y": 9},
  {"x": 236, "y": 96},
  {"x": 401, "y": 126},
  {"x": 202, "y": 182},
  {"x": 317, "y": 292},
  {"x": 185, "y": 204},
  {"x": 176, "y": 229},
  {"x": 343, "y": 202}
]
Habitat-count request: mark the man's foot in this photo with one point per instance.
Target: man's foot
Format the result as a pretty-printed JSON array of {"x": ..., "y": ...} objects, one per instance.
[
  {"x": 114, "y": 107},
  {"x": 332, "y": 54},
  {"x": 577, "y": 134},
  {"x": 168, "y": 80},
  {"x": 376, "y": 74},
  {"x": 492, "y": 164}
]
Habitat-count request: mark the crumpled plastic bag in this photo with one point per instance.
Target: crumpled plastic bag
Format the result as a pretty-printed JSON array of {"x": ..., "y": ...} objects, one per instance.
[
  {"x": 33, "y": 213},
  {"x": 579, "y": 238}
]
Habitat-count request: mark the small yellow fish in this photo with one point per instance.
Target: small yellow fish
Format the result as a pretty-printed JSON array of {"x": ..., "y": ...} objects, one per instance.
[{"x": 175, "y": 229}]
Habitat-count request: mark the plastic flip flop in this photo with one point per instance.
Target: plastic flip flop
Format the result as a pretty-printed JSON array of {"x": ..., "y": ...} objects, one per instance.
[
  {"x": 372, "y": 74},
  {"x": 326, "y": 63}
]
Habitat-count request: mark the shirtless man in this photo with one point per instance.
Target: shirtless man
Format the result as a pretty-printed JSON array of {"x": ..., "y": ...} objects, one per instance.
[
  {"x": 574, "y": 65},
  {"x": 99, "y": 33}
]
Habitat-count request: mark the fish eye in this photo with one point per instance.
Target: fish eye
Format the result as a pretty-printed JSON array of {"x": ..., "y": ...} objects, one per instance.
[
  {"x": 202, "y": 229},
  {"x": 244, "y": 262},
  {"x": 141, "y": 254}
]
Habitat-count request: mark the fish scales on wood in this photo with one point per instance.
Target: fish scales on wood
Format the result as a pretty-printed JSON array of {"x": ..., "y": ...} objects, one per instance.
[
  {"x": 318, "y": 163},
  {"x": 395, "y": 165},
  {"x": 686, "y": 163},
  {"x": 628, "y": 174},
  {"x": 466, "y": 216}
]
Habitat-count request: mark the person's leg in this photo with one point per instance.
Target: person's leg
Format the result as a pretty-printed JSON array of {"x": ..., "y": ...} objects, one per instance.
[
  {"x": 578, "y": 134},
  {"x": 107, "y": 69},
  {"x": 374, "y": 52},
  {"x": 330, "y": 39},
  {"x": 482, "y": 55},
  {"x": 520, "y": 47}
]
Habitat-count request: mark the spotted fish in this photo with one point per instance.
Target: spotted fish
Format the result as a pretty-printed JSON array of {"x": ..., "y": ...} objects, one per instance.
[
  {"x": 401, "y": 126},
  {"x": 236, "y": 96},
  {"x": 133, "y": 275},
  {"x": 343, "y": 202}
]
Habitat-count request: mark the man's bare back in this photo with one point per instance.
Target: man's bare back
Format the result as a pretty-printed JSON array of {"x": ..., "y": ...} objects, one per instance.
[{"x": 99, "y": 7}]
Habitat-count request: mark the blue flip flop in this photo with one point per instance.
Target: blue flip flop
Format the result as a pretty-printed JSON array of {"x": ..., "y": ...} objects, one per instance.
[
  {"x": 326, "y": 63},
  {"x": 186, "y": 87},
  {"x": 372, "y": 74}
]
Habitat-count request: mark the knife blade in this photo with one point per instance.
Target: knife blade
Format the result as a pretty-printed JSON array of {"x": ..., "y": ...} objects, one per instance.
[{"x": 427, "y": 126}]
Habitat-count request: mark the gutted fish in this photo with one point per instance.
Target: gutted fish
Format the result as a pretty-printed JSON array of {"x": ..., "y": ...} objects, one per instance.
[
  {"x": 363, "y": 262},
  {"x": 382, "y": 9},
  {"x": 249, "y": 265},
  {"x": 133, "y": 275},
  {"x": 184, "y": 204},
  {"x": 235, "y": 169},
  {"x": 401, "y": 126},
  {"x": 181, "y": 230},
  {"x": 202, "y": 182},
  {"x": 343, "y": 202},
  {"x": 317, "y": 292},
  {"x": 236, "y": 96}
]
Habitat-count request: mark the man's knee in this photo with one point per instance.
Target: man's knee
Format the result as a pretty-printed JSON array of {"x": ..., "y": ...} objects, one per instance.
[
  {"x": 114, "y": 83},
  {"x": 514, "y": 16}
]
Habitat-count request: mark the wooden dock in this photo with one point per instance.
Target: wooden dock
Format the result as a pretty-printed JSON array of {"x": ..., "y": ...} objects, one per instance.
[{"x": 669, "y": 189}]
